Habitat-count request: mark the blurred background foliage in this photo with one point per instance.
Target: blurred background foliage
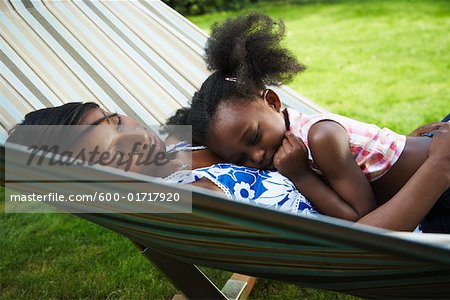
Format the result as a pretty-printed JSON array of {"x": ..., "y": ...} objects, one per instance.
[{"x": 199, "y": 7}]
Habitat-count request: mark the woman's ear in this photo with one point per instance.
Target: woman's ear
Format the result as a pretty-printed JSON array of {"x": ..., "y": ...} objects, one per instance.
[{"x": 272, "y": 99}]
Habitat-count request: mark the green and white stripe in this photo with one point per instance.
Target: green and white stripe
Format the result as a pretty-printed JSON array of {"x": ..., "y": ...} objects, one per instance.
[{"x": 139, "y": 58}]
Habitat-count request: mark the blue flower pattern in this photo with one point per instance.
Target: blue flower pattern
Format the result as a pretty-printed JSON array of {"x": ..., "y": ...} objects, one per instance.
[
  {"x": 268, "y": 189},
  {"x": 264, "y": 188}
]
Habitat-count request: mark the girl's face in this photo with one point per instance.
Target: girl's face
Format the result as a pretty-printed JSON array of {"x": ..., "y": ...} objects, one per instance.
[{"x": 248, "y": 133}]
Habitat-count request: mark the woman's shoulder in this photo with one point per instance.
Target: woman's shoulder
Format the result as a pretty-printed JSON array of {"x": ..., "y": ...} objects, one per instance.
[{"x": 263, "y": 188}]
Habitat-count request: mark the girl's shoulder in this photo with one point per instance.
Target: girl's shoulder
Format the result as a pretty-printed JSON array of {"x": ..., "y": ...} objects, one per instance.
[{"x": 301, "y": 123}]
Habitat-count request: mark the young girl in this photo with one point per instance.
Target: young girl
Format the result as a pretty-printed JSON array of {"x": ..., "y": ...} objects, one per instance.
[{"x": 239, "y": 119}]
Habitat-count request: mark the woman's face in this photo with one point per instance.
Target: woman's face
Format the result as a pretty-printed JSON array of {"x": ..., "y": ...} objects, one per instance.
[{"x": 130, "y": 145}]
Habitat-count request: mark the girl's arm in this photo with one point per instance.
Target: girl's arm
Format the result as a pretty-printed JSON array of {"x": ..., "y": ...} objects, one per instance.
[
  {"x": 411, "y": 204},
  {"x": 324, "y": 198},
  {"x": 289, "y": 160},
  {"x": 330, "y": 149}
]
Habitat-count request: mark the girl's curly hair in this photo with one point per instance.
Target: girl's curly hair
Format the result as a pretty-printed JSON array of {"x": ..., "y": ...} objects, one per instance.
[{"x": 245, "y": 54}]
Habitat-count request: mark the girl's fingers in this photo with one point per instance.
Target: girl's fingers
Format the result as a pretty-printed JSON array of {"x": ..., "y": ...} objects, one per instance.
[
  {"x": 427, "y": 128},
  {"x": 434, "y": 126},
  {"x": 295, "y": 141},
  {"x": 444, "y": 128},
  {"x": 291, "y": 138},
  {"x": 286, "y": 145}
]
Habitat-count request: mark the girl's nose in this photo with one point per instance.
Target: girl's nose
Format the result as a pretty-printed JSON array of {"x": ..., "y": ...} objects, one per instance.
[{"x": 257, "y": 156}]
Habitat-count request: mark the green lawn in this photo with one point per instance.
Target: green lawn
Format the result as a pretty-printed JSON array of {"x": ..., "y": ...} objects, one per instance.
[{"x": 385, "y": 62}]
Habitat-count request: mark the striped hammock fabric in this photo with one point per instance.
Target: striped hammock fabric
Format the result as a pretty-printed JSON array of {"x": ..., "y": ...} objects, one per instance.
[
  {"x": 138, "y": 58},
  {"x": 142, "y": 59},
  {"x": 327, "y": 253}
]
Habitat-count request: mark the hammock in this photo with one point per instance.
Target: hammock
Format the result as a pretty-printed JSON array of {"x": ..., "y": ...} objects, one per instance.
[{"x": 142, "y": 59}]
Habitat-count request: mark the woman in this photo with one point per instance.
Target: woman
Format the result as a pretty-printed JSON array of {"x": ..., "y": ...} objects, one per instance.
[{"x": 404, "y": 211}]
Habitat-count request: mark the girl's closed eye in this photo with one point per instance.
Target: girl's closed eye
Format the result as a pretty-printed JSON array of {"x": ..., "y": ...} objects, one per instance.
[{"x": 255, "y": 139}]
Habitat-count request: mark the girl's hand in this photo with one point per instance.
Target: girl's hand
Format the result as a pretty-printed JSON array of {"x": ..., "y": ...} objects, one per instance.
[
  {"x": 428, "y": 128},
  {"x": 291, "y": 158}
]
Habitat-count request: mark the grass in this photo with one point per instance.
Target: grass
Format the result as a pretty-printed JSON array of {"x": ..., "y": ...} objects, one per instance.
[{"x": 385, "y": 62}]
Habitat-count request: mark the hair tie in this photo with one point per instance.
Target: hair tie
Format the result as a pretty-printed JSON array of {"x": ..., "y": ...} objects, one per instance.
[{"x": 231, "y": 79}]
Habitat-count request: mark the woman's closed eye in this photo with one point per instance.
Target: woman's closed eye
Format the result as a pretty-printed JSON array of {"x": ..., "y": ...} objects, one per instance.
[
  {"x": 115, "y": 119},
  {"x": 119, "y": 122}
]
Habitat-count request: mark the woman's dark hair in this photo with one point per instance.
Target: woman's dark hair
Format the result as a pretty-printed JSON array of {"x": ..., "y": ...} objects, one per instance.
[
  {"x": 67, "y": 114},
  {"x": 245, "y": 55}
]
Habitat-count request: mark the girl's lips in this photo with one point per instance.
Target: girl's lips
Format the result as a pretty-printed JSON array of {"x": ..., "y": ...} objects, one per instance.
[{"x": 269, "y": 164}]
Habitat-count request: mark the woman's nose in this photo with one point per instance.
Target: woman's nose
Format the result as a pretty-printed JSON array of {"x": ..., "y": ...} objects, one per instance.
[{"x": 135, "y": 134}]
